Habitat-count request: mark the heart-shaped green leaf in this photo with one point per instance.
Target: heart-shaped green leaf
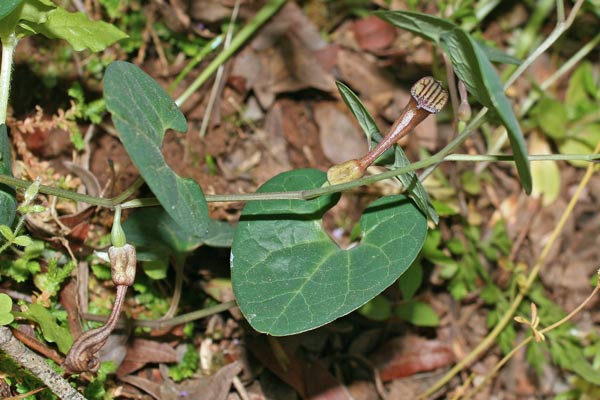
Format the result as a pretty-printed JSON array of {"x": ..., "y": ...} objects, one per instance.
[
  {"x": 142, "y": 111},
  {"x": 289, "y": 276}
]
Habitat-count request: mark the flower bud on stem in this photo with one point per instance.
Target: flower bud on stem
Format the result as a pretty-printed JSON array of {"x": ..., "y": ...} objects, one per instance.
[{"x": 427, "y": 97}]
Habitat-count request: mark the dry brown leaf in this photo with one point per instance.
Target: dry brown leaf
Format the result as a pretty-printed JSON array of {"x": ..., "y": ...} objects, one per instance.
[
  {"x": 372, "y": 33},
  {"x": 143, "y": 351},
  {"x": 405, "y": 356},
  {"x": 340, "y": 136}
]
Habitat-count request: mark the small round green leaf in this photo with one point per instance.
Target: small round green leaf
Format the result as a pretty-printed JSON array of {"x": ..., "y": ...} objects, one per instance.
[
  {"x": 23, "y": 241},
  {"x": 6, "y": 316},
  {"x": 418, "y": 313},
  {"x": 378, "y": 309},
  {"x": 289, "y": 276}
]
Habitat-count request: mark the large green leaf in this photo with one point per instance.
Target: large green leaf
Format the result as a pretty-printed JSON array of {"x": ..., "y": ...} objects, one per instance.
[
  {"x": 153, "y": 230},
  {"x": 409, "y": 180},
  {"x": 7, "y": 6},
  {"x": 142, "y": 111},
  {"x": 475, "y": 70},
  {"x": 289, "y": 276},
  {"x": 8, "y": 203}
]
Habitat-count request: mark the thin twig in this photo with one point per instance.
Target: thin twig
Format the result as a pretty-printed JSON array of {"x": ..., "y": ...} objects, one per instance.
[
  {"x": 217, "y": 85},
  {"x": 37, "y": 366},
  {"x": 244, "y": 34},
  {"x": 168, "y": 323}
]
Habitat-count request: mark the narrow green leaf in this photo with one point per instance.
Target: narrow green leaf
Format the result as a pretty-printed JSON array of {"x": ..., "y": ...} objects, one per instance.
[
  {"x": 475, "y": 70},
  {"x": 418, "y": 313},
  {"x": 288, "y": 275},
  {"x": 413, "y": 185},
  {"x": 80, "y": 31},
  {"x": 142, "y": 111},
  {"x": 8, "y": 202},
  {"x": 362, "y": 115},
  {"x": 496, "y": 55},
  {"x": 432, "y": 28},
  {"x": 424, "y": 25}
]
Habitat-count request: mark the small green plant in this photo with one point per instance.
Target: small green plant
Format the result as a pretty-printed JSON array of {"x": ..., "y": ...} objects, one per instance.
[
  {"x": 6, "y": 315},
  {"x": 287, "y": 274}
]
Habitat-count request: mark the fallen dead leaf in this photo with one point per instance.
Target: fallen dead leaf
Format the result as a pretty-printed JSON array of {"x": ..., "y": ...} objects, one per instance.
[
  {"x": 341, "y": 137},
  {"x": 405, "y": 356},
  {"x": 214, "y": 387},
  {"x": 372, "y": 33},
  {"x": 142, "y": 352}
]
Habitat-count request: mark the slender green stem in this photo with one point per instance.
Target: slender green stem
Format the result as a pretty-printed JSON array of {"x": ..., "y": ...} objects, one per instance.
[
  {"x": 532, "y": 157},
  {"x": 560, "y": 28},
  {"x": 244, "y": 34},
  {"x": 442, "y": 156},
  {"x": 180, "y": 319},
  {"x": 206, "y": 50},
  {"x": 8, "y": 51}
]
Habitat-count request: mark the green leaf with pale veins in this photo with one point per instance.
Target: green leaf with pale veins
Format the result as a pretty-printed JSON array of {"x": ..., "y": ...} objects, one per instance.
[
  {"x": 142, "y": 112},
  {"x": 289, "y": 276},
  {"x": 77, "y": 29},
  {"x": 8, "y": 202},
  {"x": 477, "y": 73}
]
